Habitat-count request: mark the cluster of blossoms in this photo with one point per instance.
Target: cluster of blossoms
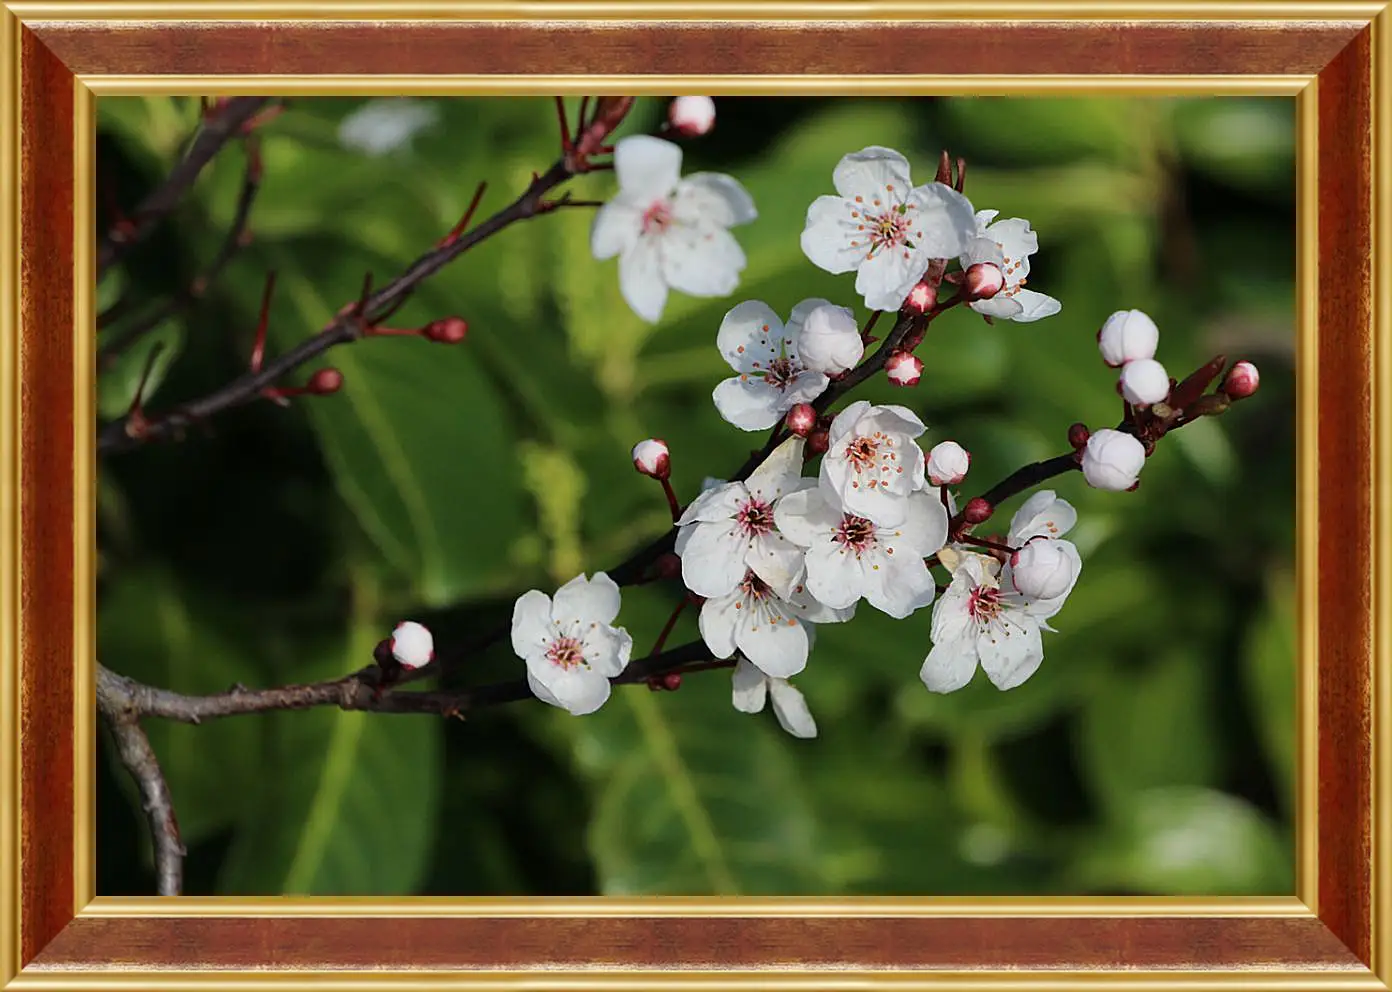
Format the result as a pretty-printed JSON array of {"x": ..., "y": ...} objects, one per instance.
[{"x": 782, "y": 548}]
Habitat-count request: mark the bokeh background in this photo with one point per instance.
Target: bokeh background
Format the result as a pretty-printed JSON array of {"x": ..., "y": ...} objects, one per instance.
[{"x": 1152, "y": 752}]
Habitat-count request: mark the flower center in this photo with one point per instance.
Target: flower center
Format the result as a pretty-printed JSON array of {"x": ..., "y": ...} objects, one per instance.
[
  {"x": 754, "y": 519},
  {"x": 889, "y": 228},
  {"x": 855, "y": 533},
  {"x": 755, "y": 588},
  {"x": 565, "y": 652},
  {"x": 984, "y": 604},
  {"x": 861, "y": 452},
  {"x": 781, "y": 372},
  {"x": 657, "y": 218}
]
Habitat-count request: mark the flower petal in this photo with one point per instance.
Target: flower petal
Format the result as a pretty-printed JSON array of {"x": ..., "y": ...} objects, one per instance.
[
  {"x": 588, "y": 601},
  {"x": 1011, "y": 650},
  {"x": 640, "y": 279},
  {"x": 805, "y": 517},
  {"x": 1016, "y": 238},
  {"x": 795, "y": 321},
  {"x": 1042, "y": 515},
  {"x": 891, "y": 419},
  {"x": 774, "y": 641},
  {"x": 1034, "y": 306},
  {"x": 701, "y": 261},
  {"x": 779, "y": 473},
  {"x": 868, "y": 173},
  {"x": 846, "y": 420},
  {"x": 776, "y": 560},
  {"x": 897, "y": 585},
  {"x": 924, "y": 530},
  {"x": 748, "y": 688},
  {"x": 945, "y": 221},
  {"x": 717, "y": 622},
  {"x": 790, "y": 708},
  {"x": 647, "y": 168},
  {"x": 720, "y": 502},
  {"x": 949, "y": 666},
  {"x": 886, "y": 277},
  {"x": 998, "y": 307},
  {"x": 581, "y": 692},
  {"x": 835, "y": 576},
  {"x": 713, "y": 559},
  {"x": 828, "y": 234},
  {"x": 1043, "y": 609},
  {"x": 616, "y": 229},
  {"x": 712, "y": 198},
  {"x": 750, "y": 404},
  {"x": 750, "y": 332},
  {"x": 607, "y": 649},
  {"x": 532, "y": 628}
]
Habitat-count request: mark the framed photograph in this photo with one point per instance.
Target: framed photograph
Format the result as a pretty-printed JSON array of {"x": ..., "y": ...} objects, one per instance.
[{"x": 627, "y": 495}]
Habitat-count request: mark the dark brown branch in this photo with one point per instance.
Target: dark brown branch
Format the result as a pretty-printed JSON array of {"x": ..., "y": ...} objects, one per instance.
[
  {"x": 231, "y": 244},
  {"x": 133, "y": 747},
  {"x": 122, "y": 435},
  {"x": 213, "y": 134}
]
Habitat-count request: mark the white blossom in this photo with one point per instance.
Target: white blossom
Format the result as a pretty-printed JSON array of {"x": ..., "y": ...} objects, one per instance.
[
  {"x": 669, "y": 232},
  {"x": 872, "y": 462},
  {"x": 1046, "y": 568},
  {"x": 1127, "y": 336},
  {"x": 570, "y": 645},
  {"x": 382, "y": 126},
  {"x": 751, "y": 687},
  {"x": 1112, "y": 460},
  {"x": 412, "y": 644},
  {"x": 769, "y": 629},
  {"x": 850, "y": 557},
  {"x": 829, "y": 340},
  {"x": 771, "y": 375},
  {"x": 731, "y": 528},
  {"x": 948, "y": 463},
  {"x": 882, "y": 227},
  {"x": 1144, "y": 381},
  {"x": 1007, "y": 244}
]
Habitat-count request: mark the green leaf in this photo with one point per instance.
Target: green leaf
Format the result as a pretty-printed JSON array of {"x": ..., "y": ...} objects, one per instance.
[
  {"x": 147, "y": 631},
  {"x": 351, "y": 805},
  {"x": 1270, "y": 674}
]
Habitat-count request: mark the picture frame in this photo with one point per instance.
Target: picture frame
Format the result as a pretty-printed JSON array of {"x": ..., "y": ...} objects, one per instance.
[{"x": 1333, "y": 59}]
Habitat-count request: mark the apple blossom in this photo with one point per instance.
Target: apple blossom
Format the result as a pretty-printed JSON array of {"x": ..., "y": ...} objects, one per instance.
[
  {"x": 1144, "y": 381},
  {"x": 829, "y": 340},
  {"x": 903, "y": 369},
  {"x": 767, "y": 628},
  {"x": 669, "y": 232},
  {"x": 730, "y": 528},
  {"x": 691, "y": 115},
  {"x": 947, "y": 464},
  {"x": 849, "y": 557},
  {"x": 751, "y": 687},
  {"x": 882, "y": 227},
  {"x": 412, "y": 645},
  {"x": 1112, "y": 460},
  {"x": 652, "y": 458},
  {"x": 384, "y": 125},
  {"x": 771, "y": 375},
  {"x": 1241, "y": 381},
  {"x": 1007, "y": 244},
  {"x": 872, "y": 462},
  {"x": 569, "y": 643},
  {"x": 1127, "y": 336}
]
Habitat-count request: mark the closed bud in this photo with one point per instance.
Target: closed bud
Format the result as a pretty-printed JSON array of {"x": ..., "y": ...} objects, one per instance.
[
  {"x": 904, "y": 369},
  {"x": 672, "y": 681},
  {"x": 801, "y": 419},
  {"x": 447, "y": 330},
  {"x": 325, "y": 381},
  {"x": 412, "y": 645},
  {"x": 829, "y": 340},
  {"x": 1113, "y": 460},
  {"x": 1127, "y": 336},
  {"x": 818, "y": 441},
  {"x": 691, "y": 115},
  {"x": 651, "y": 458},
  {"x": 1144, "y": 381},
  {"x": 922, "y": 298},
  {"x": 982, "y": 281},
  {"x": 1041, "y": 569},
  {"x": 1078, "y": 435},
  {"x": 977, "y": 511},
  {"x": 947, "y": 463},
  {"x": 1241, "y": 381}
]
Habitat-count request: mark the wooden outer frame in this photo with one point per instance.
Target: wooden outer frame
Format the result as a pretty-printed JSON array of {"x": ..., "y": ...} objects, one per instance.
[{"x": 1335, "y": 932}]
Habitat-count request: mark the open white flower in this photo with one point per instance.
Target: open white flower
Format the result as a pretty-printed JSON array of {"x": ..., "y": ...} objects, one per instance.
[
  {"x": 1007, "y": 244},
  {"x": 730, "y": 528},
  {"x": 751, "y": 687},
  {"x": 872, "y": 462},
  {"x": 979, "y": 620},
  {"x": 772, "y": 631},
  {"x": 384, "y": 125},
  {"x": 849, "y": 557},
  {"x": 772, "y": 377},
  {"x": 570, "y": 645},
  {"x": 882, "y": 227},
  {"x": 669, "y": 231}
]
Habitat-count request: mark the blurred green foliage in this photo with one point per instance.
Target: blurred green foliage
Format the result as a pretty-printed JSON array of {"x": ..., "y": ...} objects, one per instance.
[{"x": 1152, "y": 753}]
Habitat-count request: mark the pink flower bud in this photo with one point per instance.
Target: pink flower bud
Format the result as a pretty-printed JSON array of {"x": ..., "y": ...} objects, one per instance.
[
  {"x": 1112, "y": 460},
  {"x": 325, "y": 381},
  {"x": 1041, "y": 569},
  {"x": 801, "y": 419},
  {"x": 650, "y": 457},
  {"x": 447, "y": 330},
  {"x": 947, "y": 463},
  {"x": 1127, "y": 336},
  {"x": 412, "y": 645},
  {"x": 903, "y": 369},
  {"x": 1241, "y": 381},
  {"x": 692, "y": 115},
  {"x": 983, "y": 281},
  {"x": 977, "y": 511},
  {"x": 922, "y": 298},
  {"x": 1144, "y": 381},
  {"x": 829, "y": 340}
]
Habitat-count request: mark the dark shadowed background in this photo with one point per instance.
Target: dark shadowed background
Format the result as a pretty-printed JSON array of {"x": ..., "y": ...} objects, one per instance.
[{"x": 1152, "y": 753}]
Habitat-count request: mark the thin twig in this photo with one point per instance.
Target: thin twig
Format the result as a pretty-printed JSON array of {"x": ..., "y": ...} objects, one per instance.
[{"x": 213, "y": 134}]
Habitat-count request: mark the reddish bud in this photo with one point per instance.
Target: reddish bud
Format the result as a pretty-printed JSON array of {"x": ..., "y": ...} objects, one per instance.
[
  {"x": 904, "y": 369},
  {"x": 652, "y": 458},
  {"x": 325, "y": 381},
  {"x": 668, "y": 566},
  {"x": 446, "y": 330},
  {"x": 801, "y": 419},
  {"x": 1078, "y": 435},
  {"x": 922, "y": 298},
  {"x": 977, "y": 511},
  {"x": 982, "y": 281},
  {"x": 1241, "y": 381},
  {"x": 672, "y": 681},
  {"x": 818, "y": 441}
]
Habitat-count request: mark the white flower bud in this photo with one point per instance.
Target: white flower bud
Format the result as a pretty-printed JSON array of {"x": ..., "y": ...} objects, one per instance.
[
  {"x": 830, "y": 341},
  {"x": 904, "y": 369},
  {"x": 1041, "y": 570},
  {"x": 1144, "y": 381},
  {"x": 1127, "y": 336},
  {"x": 411, "y": 645},
  {"x": 650, "y": 457},
  {"x": 947, "y": 463},
  {"x": 1112, "y": 460},
  {"x": 692, "y": 115}
]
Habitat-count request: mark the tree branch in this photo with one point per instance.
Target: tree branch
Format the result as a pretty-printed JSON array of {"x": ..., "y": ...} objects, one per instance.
[{"x": 213, "y": 134}]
